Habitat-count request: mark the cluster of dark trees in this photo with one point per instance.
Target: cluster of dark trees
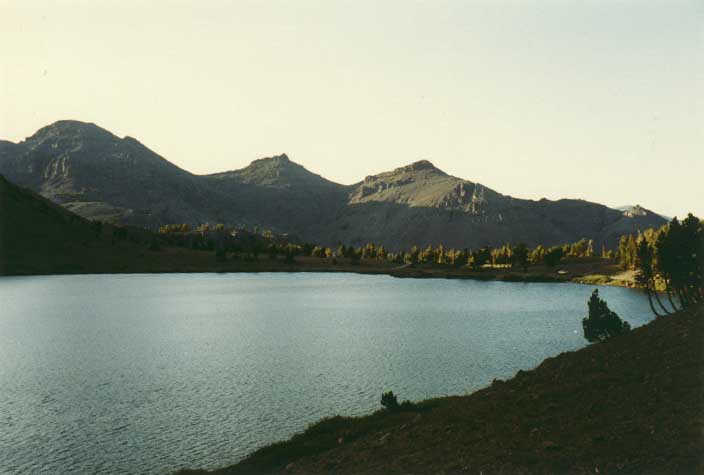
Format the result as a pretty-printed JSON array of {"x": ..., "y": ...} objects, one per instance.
[
  {"x": 628, "y": 250},
  {"x": 238, "y": 243},
  {"x": 669, "y": 264},
  {"x": 225, "y": 242},
  {"x": 250, "y": 245},
  {"x": 508, "y": 255},
  {"x": 118, "y": 233}
]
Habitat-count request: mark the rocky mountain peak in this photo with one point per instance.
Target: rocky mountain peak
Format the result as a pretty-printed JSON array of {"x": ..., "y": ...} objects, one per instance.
[
  {"x": 275, "y": 161},
  {"x": 69, "y": 129},
  {"x": 635, "y": 211},
  {"x": 405, "y": 174},
  {"x": 420, "y": 165},
  {"x": 277, "y": 171}
]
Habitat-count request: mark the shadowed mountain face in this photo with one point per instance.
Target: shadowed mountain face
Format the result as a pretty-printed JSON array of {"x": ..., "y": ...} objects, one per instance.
[
  {"x": 100, "y": 176},
  {"x": 31, "y": 227},
  {"x": 280, "y": 194},
  {"x": 41, "y": 237}
]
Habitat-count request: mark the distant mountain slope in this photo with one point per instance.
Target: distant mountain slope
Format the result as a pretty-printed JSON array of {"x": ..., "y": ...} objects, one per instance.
[
  {"x": 275, "y": 172},
  {"x": 278, "y": 193},
  {"x": 420, "y": 184},
  {"x": 420, "y": 204},
  {"x": 100, "y": 176}
]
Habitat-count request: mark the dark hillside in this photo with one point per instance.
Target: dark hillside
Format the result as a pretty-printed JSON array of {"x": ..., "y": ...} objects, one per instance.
[
  {"x": 41, "y": 237},
  {"x": 633, "y": 404},
  {"x": 278, "y": 193},
  {"x": 36, "y": 233}
]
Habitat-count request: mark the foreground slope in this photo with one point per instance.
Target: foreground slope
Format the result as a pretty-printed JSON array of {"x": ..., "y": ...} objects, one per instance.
[
  {"x": 100, "y": 176},
  {"x": 633, "y": 404}
]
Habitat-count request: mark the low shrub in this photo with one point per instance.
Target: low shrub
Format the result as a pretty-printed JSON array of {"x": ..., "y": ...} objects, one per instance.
[{"x": 390, "y": 402}]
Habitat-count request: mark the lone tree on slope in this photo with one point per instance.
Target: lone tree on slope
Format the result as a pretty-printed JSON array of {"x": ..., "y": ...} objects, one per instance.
[{"x": 602, "y": 322}]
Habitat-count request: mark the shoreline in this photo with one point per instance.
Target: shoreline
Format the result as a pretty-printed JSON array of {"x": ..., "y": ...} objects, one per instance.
[
  {"x": 178, "y": 261},
  {"x": 651, "y": 422},
  {"x": 420, "y": 275}
]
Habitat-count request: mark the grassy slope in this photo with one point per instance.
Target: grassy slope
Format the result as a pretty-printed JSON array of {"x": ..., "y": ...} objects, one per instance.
[{"x": 633, "y": 404}]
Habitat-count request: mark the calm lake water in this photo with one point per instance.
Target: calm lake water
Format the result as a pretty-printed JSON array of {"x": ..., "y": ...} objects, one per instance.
[{"x": 151, "y": 373}]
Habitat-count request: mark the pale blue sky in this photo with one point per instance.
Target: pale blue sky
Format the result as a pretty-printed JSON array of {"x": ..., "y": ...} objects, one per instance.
[{"x": 601, "y": 100}]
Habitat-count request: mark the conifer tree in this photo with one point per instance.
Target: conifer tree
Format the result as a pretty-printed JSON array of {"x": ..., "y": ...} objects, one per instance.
[{"x": 602, "y": 323}]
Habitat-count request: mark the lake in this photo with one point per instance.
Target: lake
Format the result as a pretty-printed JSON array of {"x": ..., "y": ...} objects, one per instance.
[{"x": 151, "y": 373}]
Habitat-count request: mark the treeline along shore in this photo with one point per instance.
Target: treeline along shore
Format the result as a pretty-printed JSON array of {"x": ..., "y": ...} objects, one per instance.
[{"x": 40, "y": 237}]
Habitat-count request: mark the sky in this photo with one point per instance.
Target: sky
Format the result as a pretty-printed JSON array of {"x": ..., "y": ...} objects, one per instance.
[{"x": 592, "y": 99}]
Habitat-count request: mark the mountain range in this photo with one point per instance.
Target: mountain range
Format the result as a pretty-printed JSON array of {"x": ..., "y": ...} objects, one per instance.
[{"x": 100, "y": 176}]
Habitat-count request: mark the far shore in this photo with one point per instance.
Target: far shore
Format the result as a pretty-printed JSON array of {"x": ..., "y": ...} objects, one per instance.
[{"x": 592, "y": 271}]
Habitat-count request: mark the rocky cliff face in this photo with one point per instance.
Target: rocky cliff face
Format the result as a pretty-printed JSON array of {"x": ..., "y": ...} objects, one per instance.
[
  {"x": 421, "y": 184},
  {"x": 100, "y": 176}
]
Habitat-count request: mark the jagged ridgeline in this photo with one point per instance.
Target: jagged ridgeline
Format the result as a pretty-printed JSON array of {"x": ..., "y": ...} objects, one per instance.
[{"x": 98, "y": 175}]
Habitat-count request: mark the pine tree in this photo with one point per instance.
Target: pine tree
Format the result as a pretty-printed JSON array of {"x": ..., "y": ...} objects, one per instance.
[{"x": 602, "y": 323}]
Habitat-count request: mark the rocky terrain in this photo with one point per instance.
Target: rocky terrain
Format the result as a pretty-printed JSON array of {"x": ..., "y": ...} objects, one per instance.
[
  {"x": 101, "y": 176},
  {"x": 632, "y": 404}
]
